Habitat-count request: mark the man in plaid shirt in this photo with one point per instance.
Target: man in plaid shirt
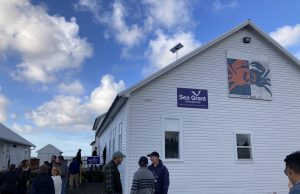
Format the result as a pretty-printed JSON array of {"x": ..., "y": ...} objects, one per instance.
[{"x": 112, "y": 180}]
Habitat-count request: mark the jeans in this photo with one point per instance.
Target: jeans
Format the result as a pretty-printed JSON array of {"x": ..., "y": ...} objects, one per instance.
[{"x": 63, "y": 185}]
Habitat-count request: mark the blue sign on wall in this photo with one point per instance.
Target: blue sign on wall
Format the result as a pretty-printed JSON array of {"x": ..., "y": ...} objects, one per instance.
[
  {"x": 93, "y": 160},
  {"x": 192, "y": 98}
]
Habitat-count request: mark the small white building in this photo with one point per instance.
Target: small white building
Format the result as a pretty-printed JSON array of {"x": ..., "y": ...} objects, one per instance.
[
  {"x": 13, "y": 148},
  {"x": 45, "y": 153},
  {"x": 223, "y": 117}
]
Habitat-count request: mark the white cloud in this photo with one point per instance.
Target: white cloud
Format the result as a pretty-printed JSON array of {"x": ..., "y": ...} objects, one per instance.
[
  {"x": 22, "y": 129},
  {"x": 125, "y": 34},
  {"x": 74, "y": 88},
  {"x": 287, "y": 35},
  {"x": 89, "y": 5},
  {"x": 3, "y": 104},
  {"x": 102, "y": 97},
  {"x": 74, "y": 113},
  {"x": 217, "y": 5},
  {"x": 169, "y": 13},
  {"x": 46, "y": 44},
  {"x": 159, "y": 49},
  {"x": 128, "y": 35}
]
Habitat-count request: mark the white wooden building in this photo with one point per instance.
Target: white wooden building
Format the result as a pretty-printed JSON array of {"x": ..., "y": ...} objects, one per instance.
[
  {"x": 13, "y": 148},
  {"x": 45, "y": 153},
  {"x": 223, "y": 117}
]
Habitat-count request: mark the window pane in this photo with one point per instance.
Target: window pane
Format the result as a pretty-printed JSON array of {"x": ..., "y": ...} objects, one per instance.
[
  {"x": 243, "y": 140},
  {"x": 244, "y": 153},
  {"x": 171, "y": 144}
]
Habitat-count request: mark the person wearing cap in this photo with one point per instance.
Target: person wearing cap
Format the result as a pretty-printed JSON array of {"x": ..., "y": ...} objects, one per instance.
[
  {"x": 112, "y": 180},
  {"x": 292, "y": 170},
  {"x": 143, "y": 180},
  {"x": 160, "y": 173}
]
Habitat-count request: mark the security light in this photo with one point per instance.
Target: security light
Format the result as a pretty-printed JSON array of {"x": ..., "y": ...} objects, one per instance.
[{"x": 246, "y": 39}]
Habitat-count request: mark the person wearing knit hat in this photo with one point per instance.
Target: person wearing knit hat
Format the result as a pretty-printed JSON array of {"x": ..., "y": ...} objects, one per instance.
[{"x": 143, "y": 179}]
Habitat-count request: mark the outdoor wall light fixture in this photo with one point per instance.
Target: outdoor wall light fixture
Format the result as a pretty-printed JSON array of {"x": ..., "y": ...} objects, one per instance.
[{"x": 247, "y": 40}]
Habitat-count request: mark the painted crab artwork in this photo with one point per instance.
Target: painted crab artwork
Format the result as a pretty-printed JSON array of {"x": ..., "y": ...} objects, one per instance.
[{"x": 242, "y": 75}]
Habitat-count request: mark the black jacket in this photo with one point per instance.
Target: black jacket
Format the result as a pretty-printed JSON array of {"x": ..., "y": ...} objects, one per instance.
[
  {"x": 43, "y": 184},
  {"x": 10, "y": 180}
]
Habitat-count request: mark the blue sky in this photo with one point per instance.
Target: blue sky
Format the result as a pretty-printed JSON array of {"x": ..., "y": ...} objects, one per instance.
[{"x": 63, "y": 62}]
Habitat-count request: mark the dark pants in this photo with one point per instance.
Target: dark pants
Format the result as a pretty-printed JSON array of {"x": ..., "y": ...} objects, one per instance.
[{"x": 22, "y": 188}]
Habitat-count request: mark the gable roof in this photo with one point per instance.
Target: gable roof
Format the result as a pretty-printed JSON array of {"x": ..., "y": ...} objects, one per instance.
[
  {"x": 247, "y": 23},
  {"x": 122, "y": 96},
  {"x": 7, "y": 134},
  {"x": 49, "y": 148}
]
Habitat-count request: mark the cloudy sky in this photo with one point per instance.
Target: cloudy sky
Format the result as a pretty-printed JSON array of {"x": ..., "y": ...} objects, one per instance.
[{"x": 63, "y": 62}]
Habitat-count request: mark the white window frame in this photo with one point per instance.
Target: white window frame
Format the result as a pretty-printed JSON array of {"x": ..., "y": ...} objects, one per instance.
[
  {"x": 236, "y": 147},
  {"x": 120, "y": 137},
  {"x": 180, "y": 141},
  {"x": 114, "y": 139},
  {"x": 110, "y": 145}
]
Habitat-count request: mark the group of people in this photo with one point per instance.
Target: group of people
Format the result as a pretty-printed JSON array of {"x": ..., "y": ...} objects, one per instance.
[
  {"x": 152, "y": 179},
  {"x": 15, "y": 181},
  {"x": 51, "y": 179}
]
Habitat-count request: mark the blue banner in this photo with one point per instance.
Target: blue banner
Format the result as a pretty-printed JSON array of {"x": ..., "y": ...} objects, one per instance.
[
  {"x": 93, "y": 160},
  {"x": 192, "y": 98}
]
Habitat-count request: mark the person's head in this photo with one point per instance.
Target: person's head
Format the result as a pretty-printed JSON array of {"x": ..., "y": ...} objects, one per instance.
[
  {"x": 46, "y": 163},
  {"x": 53, "y": 158},
  {"x": 118, "y": 157},
  {"x": 60, "y": 159},
  {"x": 143, "y": 161},
  {"x": 292, "y": 167},
  {"x": 95, "y": 148},
  {"x": 25, "y": 163},
  {"x": 55, "y": 171},
  {"x": 12, "y": 167},
  {"x": 43, "y": 170},
  {"x": 154, "y": 157},
  {"x": 79, "y": 150}
]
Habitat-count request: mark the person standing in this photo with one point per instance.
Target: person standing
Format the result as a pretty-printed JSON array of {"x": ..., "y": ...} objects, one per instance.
[
  {"x": 143, "y": 180},
  {"x": 43, "y": 184},
  {"x": 160, "y": 173},
  {"x": 292, "y": 170},
  {"x": 112, "y": 179},
  {"x": 74, "y": 170},
  {"x": 64, "y": 170},
  {"x": 52, "y": 162},
  {"x": 78, "y": 158},
  {"x": 56, "y": 179},
  {"x": 10, "y": 180},
  {"x": 24, "y": 177},
  {"x": 94, "y": 153}
]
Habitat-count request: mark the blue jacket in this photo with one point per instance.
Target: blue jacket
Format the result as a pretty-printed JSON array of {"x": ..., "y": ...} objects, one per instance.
[
  {"x": 74, "y": 167},
  {"x": 161, "y": 175}
]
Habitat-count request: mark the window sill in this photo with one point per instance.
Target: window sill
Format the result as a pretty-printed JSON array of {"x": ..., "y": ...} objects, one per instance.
[
  {"x": 173, "y": 160},
  {"x": 244, "y": 162}
]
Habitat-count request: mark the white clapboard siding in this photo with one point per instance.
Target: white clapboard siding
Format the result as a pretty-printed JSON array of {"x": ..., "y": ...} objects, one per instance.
[
  {"x": 120, "y": 118},
  {"x": 208, "y": 165}
]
